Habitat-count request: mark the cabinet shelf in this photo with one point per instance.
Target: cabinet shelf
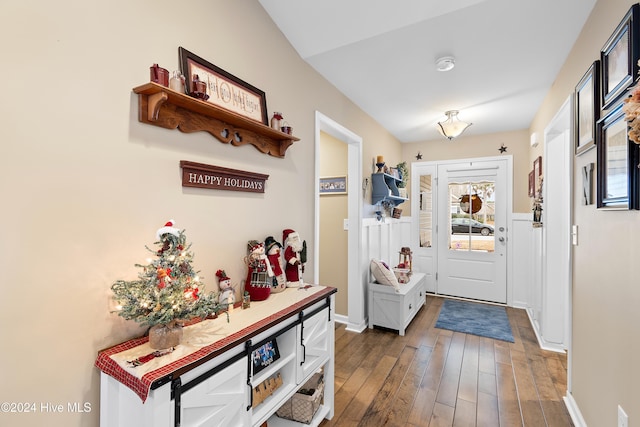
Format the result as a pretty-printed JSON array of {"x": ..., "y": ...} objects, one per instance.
[
  {"x": 160, "y": 106},
  {"x": 385, "y": 188}
]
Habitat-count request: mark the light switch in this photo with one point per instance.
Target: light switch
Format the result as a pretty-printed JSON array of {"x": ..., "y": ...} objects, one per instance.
[
  {"x": 345, "y": 224},
  {"x": 574, "y": 235}
]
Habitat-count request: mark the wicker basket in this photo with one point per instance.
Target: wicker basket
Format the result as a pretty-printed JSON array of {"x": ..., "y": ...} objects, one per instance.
[{"x": 302, "y": 407}]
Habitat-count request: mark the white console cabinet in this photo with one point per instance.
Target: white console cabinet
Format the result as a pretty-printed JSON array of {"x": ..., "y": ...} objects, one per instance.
[
  {"x": 217, "y": 390},
  {"x": 395, "y": 309}
]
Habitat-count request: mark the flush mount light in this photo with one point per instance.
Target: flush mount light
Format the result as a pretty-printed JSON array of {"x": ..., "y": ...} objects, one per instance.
[
  {"x": 445, "y": 63},
  {"x": 453, "y": 126}
]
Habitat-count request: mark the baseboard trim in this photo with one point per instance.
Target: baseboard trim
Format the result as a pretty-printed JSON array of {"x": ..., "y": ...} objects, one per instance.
[
  {"x": 557, "y": 348},
  {"x": 353, "y": 327},
  {"x": 342, "y": 319},
  {"x": 574, "y": 411}
]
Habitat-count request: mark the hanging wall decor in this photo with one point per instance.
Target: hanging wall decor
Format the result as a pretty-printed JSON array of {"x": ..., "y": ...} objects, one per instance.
[
  {"x": 224, "y": 89},
  {"x": 587, "y": 108},
  {"x": 619, "y": 58},
  {"x": 618, "y": 177},
  {"x": 218, "y": 178}
]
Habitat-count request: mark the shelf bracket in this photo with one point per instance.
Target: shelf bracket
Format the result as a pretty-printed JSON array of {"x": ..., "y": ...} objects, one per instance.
[{"x": 154, "y": 103}]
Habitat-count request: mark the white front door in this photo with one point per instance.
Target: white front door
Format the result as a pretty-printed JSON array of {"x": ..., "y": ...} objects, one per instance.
[{"x": 472, "y": 229}]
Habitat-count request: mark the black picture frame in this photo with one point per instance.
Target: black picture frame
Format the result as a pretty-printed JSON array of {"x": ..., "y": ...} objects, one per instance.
[
  {"x": 224, "y": 89},
  {"x": 619, "y": 58},
  {"x": 264, "y": 355},
  {"x": 617, "y": 163},
  {"x": 587, "y": 109}
]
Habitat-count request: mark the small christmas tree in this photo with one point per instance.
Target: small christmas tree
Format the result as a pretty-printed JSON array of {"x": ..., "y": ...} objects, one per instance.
[{"x": 168, "y": 289}]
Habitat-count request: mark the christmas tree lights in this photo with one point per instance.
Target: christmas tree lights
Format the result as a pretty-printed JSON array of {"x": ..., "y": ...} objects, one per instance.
[{"x": 168, "y": 289}]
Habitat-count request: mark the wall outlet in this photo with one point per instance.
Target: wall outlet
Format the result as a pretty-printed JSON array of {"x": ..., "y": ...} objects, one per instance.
[{"x": 623, "y": 418}]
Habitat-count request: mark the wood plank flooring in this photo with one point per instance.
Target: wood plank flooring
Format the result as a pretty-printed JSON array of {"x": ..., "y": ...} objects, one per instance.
[{"x": 435, "y": 377}]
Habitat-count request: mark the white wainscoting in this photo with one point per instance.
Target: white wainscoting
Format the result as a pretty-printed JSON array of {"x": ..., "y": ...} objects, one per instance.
[{"x": 382, "y": 240}]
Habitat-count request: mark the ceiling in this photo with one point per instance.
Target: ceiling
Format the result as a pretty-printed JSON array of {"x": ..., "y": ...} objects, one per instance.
[{"x": 381, "y": 54}]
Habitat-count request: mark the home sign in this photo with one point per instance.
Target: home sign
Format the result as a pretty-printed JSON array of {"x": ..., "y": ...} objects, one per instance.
[{"x": 218, "y": 178}]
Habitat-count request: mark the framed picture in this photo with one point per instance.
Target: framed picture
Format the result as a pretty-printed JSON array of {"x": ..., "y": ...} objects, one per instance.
[
  {"x": 532, "y": 184},
  {"x": 587, "y": 108},
  {"x": 223, "y": 89},
  {"x": 617, "y": 163},
  {"x": 264, "y": 355},
  {"x": 333, "y": 185},
  {"x": 619, "y": 58},
  {"x": 537, "y": 173}
]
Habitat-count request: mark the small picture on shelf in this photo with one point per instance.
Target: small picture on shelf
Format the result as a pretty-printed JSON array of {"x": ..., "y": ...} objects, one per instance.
[
  {"x": 264, "y": 355},
  {"x": 394, "y": 172}
]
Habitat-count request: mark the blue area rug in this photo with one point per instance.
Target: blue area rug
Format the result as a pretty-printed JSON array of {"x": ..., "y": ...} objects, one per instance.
[{"x": 485, "y": 320}]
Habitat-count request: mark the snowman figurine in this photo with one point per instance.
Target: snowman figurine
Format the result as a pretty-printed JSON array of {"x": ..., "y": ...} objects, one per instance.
[{"x": 226, "y": 296}]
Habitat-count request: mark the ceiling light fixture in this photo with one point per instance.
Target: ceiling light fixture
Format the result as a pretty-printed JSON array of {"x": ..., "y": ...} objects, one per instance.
[
  {"x": 453, "y": 126},
  {"x": 445, "y": 63}
]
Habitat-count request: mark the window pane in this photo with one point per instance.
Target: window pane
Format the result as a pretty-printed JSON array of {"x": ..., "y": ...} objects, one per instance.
[
  {"x": 426, "y": 217},
  {"x": 472, "y": 209}
]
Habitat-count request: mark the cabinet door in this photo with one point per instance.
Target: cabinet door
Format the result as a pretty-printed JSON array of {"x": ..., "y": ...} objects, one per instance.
[
  {"x": 315, "y": 347},
  {"x": 221, "y": 400}
]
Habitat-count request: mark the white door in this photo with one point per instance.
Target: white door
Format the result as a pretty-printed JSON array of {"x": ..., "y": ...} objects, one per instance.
[{"x": 472, "y": 229}]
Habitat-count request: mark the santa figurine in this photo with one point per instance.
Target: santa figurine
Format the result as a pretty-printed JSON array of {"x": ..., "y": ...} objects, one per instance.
[
  {"x": 295, "y": 256},
  {"x": 226, "y": 296},
  {"x": 259, "y": 274},
  {"x": 273, "y": 249}
]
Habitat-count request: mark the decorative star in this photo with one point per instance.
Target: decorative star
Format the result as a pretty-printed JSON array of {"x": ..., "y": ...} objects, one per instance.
[
  {"x": 502, "y": 149},
  {"x": 419, "y": 156}
]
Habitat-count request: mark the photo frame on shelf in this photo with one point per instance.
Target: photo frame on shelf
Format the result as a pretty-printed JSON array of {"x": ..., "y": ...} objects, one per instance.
[
  {"x": 537, "y": 173},
  {"x": 532, "y": 184},
  {"x": 587, "y": 108},
  {"x": 617, "y": 163},
  {"x": 619, "y": 58},
  {"x": 264, "y": 355},
  {"x": 333, "y": 185},
  {"x": 224, "y": 89}
]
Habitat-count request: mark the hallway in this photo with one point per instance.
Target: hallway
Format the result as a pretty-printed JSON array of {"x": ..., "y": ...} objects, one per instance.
[{"x": 436, "y": 377}]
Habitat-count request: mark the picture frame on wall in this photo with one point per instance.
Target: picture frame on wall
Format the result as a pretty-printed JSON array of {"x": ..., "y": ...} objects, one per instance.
[
  {"x": 537, "y": 173},
  {"x": 224, "y": 89},
  {"x": 617, "y": 163},
  {"x": 532, "y": 184},
  {"x": 619, "y": 58},
  {"x": 587, "y": 108},
  {"x": 333, "y": 185}
]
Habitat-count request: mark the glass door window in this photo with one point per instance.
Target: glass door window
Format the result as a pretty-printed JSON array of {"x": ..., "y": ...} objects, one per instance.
[{"x": 472, "y": 216}]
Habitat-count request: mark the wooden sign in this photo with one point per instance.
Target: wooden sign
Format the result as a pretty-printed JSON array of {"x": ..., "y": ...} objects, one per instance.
[{"x": 215, "y": 177}]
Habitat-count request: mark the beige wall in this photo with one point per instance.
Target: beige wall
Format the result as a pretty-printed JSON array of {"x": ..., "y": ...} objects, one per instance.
[
  {"x": 606, "y": 295},
  {"x": 85, "y": 186},
  {"x": 465, "y": 147},
  {"x": 334, "y": 253}
]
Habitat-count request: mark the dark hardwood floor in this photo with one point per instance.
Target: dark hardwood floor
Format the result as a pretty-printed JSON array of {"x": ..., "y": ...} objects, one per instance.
[{"x": 435, "y": 377}]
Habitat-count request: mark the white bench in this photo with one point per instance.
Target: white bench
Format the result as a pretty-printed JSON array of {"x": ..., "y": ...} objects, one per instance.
[{"x": 396, "y": 309}]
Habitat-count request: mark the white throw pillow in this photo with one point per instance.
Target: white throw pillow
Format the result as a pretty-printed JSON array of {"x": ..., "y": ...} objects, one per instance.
[{"x": 383, "y": 274}]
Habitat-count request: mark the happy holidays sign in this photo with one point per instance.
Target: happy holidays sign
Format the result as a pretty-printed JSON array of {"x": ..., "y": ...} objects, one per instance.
[{"x": 215, "y": 177}]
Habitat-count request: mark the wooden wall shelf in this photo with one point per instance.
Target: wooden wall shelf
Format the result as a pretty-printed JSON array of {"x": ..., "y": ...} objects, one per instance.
[{"x": 160, "y": 106}]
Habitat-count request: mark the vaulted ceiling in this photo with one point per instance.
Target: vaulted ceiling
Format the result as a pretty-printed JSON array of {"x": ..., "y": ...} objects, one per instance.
[{"x": 381, "y": 55}]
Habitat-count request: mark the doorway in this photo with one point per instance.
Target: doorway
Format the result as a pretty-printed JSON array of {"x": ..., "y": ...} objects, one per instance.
[
  {"x": 460, "y": 233},
  {"x": 356, "y": 287}
]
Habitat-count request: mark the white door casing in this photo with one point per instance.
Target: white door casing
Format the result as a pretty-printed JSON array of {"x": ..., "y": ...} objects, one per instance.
[{"x": 467, "y": 274}]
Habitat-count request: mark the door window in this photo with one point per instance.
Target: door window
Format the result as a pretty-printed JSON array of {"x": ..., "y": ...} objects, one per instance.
[
  {"x": 426, "y": 211},
  {"x": 472, "y": 216}
]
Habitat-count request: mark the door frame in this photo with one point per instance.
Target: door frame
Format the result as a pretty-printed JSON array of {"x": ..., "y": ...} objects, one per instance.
[
  {"x": 415, "y": 220},
  {"x": 355, "y": 319},
  {"x": 562, "y": 122}
]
